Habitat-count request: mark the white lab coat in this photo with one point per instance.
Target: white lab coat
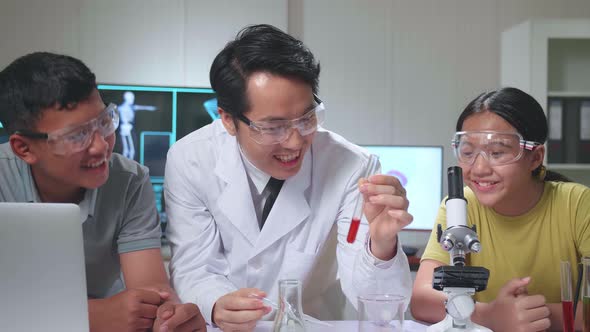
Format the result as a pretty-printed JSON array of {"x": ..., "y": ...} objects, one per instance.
[{"x": 217, "y": 246}]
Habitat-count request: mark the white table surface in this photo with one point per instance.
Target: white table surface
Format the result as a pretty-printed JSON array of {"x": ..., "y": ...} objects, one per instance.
[{"x": 340, "y": 326}]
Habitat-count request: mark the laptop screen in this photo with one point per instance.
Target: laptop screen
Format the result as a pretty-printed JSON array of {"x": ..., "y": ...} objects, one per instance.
[{"x": 42, "y": 268}]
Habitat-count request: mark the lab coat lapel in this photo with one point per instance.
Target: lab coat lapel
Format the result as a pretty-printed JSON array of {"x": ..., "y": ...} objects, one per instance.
[
  {"x": 235, "y": 199},
  {"x": 290, "y": 209}
]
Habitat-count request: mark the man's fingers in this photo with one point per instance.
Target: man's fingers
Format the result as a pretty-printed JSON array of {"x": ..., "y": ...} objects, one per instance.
[
  {"x": 241, "y": 303},
  {"x": 384, "y": 179},
  {"x": 242, "y": 316},
  {"x": 249, "y": 292},
  {"x": 374, "y": 189},
  {"x": 391, "y": 201},
  {"x": 403, "y": 217},
  {"x": 388, "y": 180}
]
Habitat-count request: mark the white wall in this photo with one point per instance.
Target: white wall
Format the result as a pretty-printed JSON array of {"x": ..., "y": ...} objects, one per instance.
[
  {"x": 400, "y": 72},
  {"x": 393, "y": 71},
  {"x": 146, "y": 42}
]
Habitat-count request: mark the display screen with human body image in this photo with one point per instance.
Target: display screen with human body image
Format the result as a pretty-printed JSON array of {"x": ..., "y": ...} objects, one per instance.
[
  {"x": 152, "y": 119},
  {"x": 420, "y": 171},
  {"x": 3, "y": 134}
]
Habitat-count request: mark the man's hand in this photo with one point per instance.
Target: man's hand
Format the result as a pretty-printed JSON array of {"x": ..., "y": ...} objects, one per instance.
[
  {"x": 130, "y": 310},
  {"x": 386, "y": 210},
  {"x": 179, "y": 318},
  {"x": 515, "y": 311},
  {"x": 239, "y": 310}
]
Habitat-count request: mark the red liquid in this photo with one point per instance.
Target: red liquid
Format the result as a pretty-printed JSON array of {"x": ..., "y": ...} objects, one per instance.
[
  {"x": 354, "y": 228},
  {"x": 568, "y": 316}
]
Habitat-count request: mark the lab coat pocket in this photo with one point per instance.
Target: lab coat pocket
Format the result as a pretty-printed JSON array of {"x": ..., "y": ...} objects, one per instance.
[{"x": 297, "y": 265}]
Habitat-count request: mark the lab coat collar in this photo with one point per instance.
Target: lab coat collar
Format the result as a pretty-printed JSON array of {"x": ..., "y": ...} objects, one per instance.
[{"x": 236, "y": 198}]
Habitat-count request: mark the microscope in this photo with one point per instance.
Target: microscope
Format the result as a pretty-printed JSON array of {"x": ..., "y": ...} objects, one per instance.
[{"x": 458, "y": 281}]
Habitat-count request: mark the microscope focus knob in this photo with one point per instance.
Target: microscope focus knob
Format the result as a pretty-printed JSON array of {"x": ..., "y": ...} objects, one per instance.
[
  {"x": 475, "y": 246},
  {"x": 447, "y": 244}
]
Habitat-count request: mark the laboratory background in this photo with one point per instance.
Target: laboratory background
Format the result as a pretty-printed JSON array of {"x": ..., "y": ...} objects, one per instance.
[{"x": 395, "y": 74}]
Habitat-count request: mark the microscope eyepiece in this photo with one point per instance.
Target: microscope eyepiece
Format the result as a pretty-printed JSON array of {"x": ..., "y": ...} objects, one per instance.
[{"x": 455, "y": 179}]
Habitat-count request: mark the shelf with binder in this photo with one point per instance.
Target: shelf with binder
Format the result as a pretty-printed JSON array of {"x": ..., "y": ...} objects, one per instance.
[
  {"x": 550, "y": 59},
  {"x": 569, "y": 130},
  {"x": 568, "y": 94},
  {"x": 573, "y": 167}
]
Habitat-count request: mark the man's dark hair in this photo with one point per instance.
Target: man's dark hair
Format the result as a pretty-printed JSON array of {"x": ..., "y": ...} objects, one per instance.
[
  {"x": 39, "y": 81},
  {"x": 259, "y": 48}
]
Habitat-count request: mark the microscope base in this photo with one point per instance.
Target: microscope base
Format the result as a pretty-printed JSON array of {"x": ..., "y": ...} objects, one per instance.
[{"x": 446, "y": 325}]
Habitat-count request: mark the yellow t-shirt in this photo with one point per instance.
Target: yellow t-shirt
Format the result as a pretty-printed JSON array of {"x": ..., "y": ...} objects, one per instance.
[{"x": 533, "y": 244}]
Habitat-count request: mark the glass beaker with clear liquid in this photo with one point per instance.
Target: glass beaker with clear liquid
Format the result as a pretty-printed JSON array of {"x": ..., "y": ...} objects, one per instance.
[{"x": 290, "y": 315}]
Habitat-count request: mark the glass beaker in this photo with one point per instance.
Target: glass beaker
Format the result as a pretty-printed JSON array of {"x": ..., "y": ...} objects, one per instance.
[
  {"x": 586, "y": 293},
  {"x": 290, "y": 315},
  {"x": 381, "y": 313}
]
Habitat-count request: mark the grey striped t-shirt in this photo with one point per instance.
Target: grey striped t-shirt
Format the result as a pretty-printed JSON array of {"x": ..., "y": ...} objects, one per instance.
[{"x": 118, "y": 217}]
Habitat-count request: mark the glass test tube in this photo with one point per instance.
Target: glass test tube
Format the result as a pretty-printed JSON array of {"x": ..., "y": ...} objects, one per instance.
[
  {"x": 567, "y": 298},
  {"x": 372, "y": 165}
]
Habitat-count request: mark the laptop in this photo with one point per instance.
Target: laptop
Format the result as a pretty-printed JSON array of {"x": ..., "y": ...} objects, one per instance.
[{"x": 42, "y": 272}]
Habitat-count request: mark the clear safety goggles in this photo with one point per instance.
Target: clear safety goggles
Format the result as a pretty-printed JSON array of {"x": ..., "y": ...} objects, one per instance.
[
  {"x": 75, "y": 139},
  {"x": 278, "y": 131},
  {"x": 498, "y": 148}
]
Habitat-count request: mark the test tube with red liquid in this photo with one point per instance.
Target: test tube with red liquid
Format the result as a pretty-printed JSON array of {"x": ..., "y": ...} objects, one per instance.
[
  {"x": 372, "y": 166},
  {"x": 567, "y": 298}
]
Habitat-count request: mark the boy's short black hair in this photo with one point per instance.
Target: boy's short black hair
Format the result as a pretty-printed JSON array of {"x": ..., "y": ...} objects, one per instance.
[{"x": 39, "y": 81}]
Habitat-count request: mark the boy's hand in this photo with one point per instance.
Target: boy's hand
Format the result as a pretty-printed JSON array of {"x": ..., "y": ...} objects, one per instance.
[
  {"x": 179, "y": 317},
  {"x": 130, "y": 310}
]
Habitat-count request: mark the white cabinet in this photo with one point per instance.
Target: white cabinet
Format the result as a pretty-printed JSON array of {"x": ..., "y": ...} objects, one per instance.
[{"x": 550, "y": 59}]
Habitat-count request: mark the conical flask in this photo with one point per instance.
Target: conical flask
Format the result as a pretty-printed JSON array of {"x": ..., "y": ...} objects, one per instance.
[{"x": 289, "y": 318}]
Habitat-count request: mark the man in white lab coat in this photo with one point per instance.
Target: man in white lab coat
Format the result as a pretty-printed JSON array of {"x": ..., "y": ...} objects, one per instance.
[{"x": 227, "y": 248}]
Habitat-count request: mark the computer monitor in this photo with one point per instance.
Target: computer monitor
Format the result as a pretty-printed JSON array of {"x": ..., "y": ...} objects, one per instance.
[
  {"x": 3, "y": 134},
  {"x": 152, "y": 118},
  {"x": 420, "y": 171},
  {"x": 154, "y": 146}
]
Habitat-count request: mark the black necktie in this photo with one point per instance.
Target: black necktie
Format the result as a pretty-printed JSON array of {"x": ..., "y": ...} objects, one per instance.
[{"x": 273, "y": 186}]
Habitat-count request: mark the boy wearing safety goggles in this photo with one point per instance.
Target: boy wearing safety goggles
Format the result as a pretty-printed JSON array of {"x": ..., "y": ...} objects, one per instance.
[
  {"x": 60, "y": 150},
  {"x": 528, "y": 219}
]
